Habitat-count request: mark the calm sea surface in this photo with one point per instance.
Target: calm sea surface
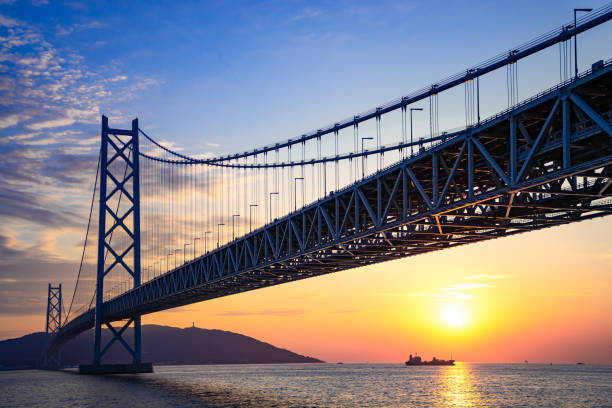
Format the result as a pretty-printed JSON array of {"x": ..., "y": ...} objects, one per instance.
[{"x": 318, "y": 385}]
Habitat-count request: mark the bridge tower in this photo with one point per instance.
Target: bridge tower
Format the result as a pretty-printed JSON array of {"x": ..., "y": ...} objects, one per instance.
[
  {"x": 53, "y": 323},
  {"x": 119, "y": 195},
  {"x": 54, "y": 309}
]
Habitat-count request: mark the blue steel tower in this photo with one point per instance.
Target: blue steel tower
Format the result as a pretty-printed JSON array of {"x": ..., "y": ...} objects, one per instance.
[
  {"x": 119, "y": 164},
  {"x": 53, "y": 322}
]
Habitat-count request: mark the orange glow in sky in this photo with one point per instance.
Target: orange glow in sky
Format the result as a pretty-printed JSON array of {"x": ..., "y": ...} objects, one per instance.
[{"x": 542, "y": 296}]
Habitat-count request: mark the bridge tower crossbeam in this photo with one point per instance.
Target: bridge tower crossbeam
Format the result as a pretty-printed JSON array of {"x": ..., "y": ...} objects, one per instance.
[
  {"x": 120, "y": 204},
  {"x": 53, "y": 323}
]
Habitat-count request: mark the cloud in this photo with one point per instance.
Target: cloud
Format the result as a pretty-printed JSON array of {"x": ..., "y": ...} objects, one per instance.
[
  {"x": 465, "y": 286},
  {"x": 269, "y": 312},
  {"x": 8, "y": 21},
  {"x": 119, "y": 78},
  {"x": 10, "y": 120},
  {"x": 66, "y": 30},
  {"x": 434, "y": 295},
  {"x": 305, "y": 13},
  {"x": 456, "y": 291},
  {"x": 51, "y": 123},
  {"x": 486, "y": 276},
  {"x": 24, "y": 206},
  {"x": 44, "y": 87}
]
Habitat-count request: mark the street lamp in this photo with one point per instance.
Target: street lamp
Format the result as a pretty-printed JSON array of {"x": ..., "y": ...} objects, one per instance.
[
  {"x": 412, "y": 110},
  {"x": 154, "y": 263},
  {"x": 175, "y": 252},
  {"x": 206, "y": 241},
  {"x": 168, "y": 261},
  {"x": 363, "y": 156},
  {"x": 194, "y": 246},
  {"x": 219, "y": 232},
  {"x": 251, "y": 216},
  {"x": 233, "y": 218},
  {"x": 185, "y": 253},
  {"x": 271, "y": 194},
  {"x": 586, "y": 10},
  {"x": 295, "y": 191}
]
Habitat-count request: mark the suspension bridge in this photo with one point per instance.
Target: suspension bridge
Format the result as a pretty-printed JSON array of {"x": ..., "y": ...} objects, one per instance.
[{"x": 168, "y": 229}]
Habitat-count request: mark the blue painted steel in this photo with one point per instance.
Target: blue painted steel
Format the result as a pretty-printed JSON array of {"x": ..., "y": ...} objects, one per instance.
[
  {"x": 486, "y": 181},
  {"x": 563, "y": 33},
  {"x": 394, "y": 213},
  {"x": 54, "y": 309},
  {"x": 126, "y": 151}
]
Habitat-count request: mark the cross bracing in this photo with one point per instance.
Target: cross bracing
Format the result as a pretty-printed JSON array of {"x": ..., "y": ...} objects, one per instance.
[{"x": 544, "y": 163}]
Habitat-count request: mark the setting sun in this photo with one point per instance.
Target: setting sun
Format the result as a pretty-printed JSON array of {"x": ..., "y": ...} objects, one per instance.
[{"x": 454, "y": 315}]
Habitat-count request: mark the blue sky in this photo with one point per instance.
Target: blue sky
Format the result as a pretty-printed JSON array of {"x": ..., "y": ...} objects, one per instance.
[{"x": 216, "y": 77}]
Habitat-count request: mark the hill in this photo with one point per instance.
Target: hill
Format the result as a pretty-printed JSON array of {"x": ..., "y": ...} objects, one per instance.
[{"x": 160, "y": 345}]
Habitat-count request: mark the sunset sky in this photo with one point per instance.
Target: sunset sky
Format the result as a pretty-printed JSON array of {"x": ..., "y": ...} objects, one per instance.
[{"x": 218, "y": 77}]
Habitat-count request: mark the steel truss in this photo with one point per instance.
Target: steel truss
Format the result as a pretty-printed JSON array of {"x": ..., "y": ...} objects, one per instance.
[
  {"x": 546, "y": 163},
  {"x": 120, "y": 165},
  {"x": 53, "y": 322}
]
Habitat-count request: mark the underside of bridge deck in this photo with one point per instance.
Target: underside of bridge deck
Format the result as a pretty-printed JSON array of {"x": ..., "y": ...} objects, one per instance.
[{"x": 546, "y": 162}]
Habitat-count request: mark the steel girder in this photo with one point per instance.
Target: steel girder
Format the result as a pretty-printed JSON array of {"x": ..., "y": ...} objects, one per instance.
[
  {"x": 120, "y": 165},
  {"x": 546, "y": 163}
]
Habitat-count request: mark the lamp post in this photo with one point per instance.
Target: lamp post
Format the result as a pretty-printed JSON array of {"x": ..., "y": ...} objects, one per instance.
[
  {"x": 412, "y": 110},
  {"x": 271, "y": 194},
  {"x": 219, "y": 232},
  {"x": 363, "y": 156},
  {"x": 206, "y": 240},
  {"x": 233, "y": 218},
  {"x": 251, "y": 216},
  {"x": 154, "y": 263},
  {"x": 175, "y": 252},
  {"x": 194, "y": 246},
  {"x": 295, "y": 179},
  {"x": 576, "y": 10},
  {"x": 185, "y": 253}
]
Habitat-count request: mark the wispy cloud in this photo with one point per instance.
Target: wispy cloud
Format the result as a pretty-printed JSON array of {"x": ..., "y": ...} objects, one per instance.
[
  {"x": 303, "y": 14},
  {"x": 465, "y": 286},
  {"x": 455, "y": 291},
  {"x": 433, "y": 295},
  {"x": 75, "y": 28},
  {"x": 48, "y": 98},
  {"x": 484, "y": 276},
  {"x": 8, "y": 21},
  {"x": 268, "y": 312},
  {"x": 10, "y": 120}
]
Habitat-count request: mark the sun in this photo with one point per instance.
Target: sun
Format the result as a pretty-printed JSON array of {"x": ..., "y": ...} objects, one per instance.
[{"x": 454, "y": 315}]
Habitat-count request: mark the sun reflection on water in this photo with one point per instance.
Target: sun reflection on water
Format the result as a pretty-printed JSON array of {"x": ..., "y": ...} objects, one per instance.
[{"x": 456, "y": 387}]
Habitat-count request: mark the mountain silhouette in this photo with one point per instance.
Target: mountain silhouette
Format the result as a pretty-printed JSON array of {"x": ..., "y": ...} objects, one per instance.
[{"x": 160, "y": 345}]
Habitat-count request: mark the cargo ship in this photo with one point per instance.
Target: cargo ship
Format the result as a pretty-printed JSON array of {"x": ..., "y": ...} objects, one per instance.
[{"x": 417, "y": 361}]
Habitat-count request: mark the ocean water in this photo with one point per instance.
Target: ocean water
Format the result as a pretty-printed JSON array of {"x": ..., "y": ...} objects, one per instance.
[{"x": 318, "y": 385}]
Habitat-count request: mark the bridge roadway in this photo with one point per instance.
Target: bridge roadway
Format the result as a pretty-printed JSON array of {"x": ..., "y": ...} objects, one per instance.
[{"x": 546, "y": 162}]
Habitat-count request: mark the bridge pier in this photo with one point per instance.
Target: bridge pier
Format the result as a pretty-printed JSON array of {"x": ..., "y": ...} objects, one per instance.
[{"x": 104, "y": 369}]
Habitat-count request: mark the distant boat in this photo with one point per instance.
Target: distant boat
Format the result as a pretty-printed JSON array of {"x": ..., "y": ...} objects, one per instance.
[
  {"x": 417, "y": 361},
  {"x": 580, "y": 363}
]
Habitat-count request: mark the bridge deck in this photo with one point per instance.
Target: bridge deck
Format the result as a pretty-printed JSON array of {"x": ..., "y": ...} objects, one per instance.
[{"x": 545, "y": 163}]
